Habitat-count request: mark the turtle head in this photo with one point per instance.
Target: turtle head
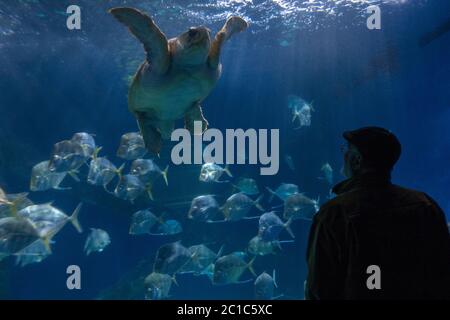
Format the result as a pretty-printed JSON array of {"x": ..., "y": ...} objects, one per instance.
[{"x": 193, "y": 46}]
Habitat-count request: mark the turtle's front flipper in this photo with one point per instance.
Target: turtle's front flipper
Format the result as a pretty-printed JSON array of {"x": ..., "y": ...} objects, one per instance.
[
  {"x": 151, "y": 135},
  {"x": 195, "y": 114},
  {"x": 232, "y": 26},
  {"x": 148, "y": 33}
]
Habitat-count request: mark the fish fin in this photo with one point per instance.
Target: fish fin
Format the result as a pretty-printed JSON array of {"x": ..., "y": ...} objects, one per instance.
[
  {"x": 161, "y": 217},
  {"x": 96, "y": 152},
  {"x": 287, "y": 225},
  {"x": 295, "y": 116},
  {"x": 46, "y": 240},
  {"x": 222, "y": 181},
  {"x": 224, "y": 210},
  {"x": 284, "y": 241},
  {"x": 251, "y": 218},
  {"x": 14, "y": 203},
  {"x": 219, "y": 254},
  {"x": 216, "y": 221},
  {"x": 164, "y": 174},
  {"x": 250, "y": 267},
  {"x": 277, "y": 297},
  {"x": 244, "y": 281},
  {"x": 119, "y": 170},
  {"x": 148, "y": 188},
  {"x": 272, "y": 193},
  {"x": 175, "y": 281},
  {"x": 62, "y": 188},
  {"x": 74, "y": 218},
  {"x": 257, "y": 202},
  {"x": 74, "y": 175},
  {"x": 274, "y": 278},
  {"x": 227, "y": 171}
]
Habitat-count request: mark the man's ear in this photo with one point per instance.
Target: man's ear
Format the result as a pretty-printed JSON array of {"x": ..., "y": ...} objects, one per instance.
[{"x": 356, "y": 162}]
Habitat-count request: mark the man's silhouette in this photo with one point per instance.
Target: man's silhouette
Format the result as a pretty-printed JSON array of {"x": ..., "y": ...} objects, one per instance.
[{"x": 372, "y": 222}]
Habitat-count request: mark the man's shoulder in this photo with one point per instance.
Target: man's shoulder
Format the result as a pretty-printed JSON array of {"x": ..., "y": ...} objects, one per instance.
[
  {"x": 413, "y": 196},
  {"x": 346, "y": 202}
]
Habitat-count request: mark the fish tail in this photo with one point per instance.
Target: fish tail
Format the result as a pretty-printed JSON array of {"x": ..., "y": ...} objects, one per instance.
[
  {"x": 164, "y": 174},
  {"x": 119, "y": 171},
  {"x": 227, "y": 171},
  {"x": 13, "y": 204},
  {"x": 74, "y": 218},
  {"x": 257, "y": 202},
  {"x": 272, "y": 193},
  {"x": 149, "y": 192},
  {"x": 274, "y": 279},
  {"x": 219, "y": 254},
  {"x": 250, "y": 267},
  {"x": 161, "y": 217},
  {"x": 174, "y": 280},
  {"x": 96, "y": 152},
  {"x": 74, "y": 174},
  {"x": 288, "y": 228}
]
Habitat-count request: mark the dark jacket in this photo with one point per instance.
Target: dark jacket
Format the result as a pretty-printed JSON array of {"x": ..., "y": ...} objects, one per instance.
[{"x": 373, "y": 222}]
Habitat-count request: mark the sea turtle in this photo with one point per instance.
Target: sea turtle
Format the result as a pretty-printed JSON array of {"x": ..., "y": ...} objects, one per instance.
[{"x": 176, "y": 76}]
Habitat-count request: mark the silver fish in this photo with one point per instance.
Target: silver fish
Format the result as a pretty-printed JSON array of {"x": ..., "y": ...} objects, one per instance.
[
  {"x": 102, "y": 172},
  {"x": 301, "y": 110},
  {"x": 42, "y": 178},
  {"x": 157, "y": 286},
  {"x": 48, "y": 219},
  {"x": 97, "y": 241},
  {"x": 299, "y": 206},
  {"x": 169, "y": 227},
  {"x": 283, "y": 191},
  {"x": 270, "y": 226},
  {"x": 238, "y": 205},
  {"x": 327, "y": 173},
  {"x": 87, "y": 143},
  {"x": 148, "y": 171},
  {"x": 142, "y": 222},
  {"x": 229, "y": 269},
  {"x": 131, "y": 146},
  {"x": 203, "y": 208},
  {"x": 171, "y": 258},
  {"x": 67, "y": 156},
  {"x": 201, "y": 258},
  {"x": 247, "y": 186},
  {"x": 211, "y": 172},
  {"x": 265, "y": 286},
  {"x": 289, "y": 162},
  {"x": 130, "y": 187},
  {"x": 259, "y": 247}
]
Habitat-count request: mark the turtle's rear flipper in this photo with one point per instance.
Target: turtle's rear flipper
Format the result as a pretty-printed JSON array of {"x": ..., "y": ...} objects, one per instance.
[
  {"x": 152, "y": 137},
  {"x": 195, "y": 114}
]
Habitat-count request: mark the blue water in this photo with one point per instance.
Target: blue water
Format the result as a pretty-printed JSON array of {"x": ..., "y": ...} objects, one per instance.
[{"x": 55, "y": 82}]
